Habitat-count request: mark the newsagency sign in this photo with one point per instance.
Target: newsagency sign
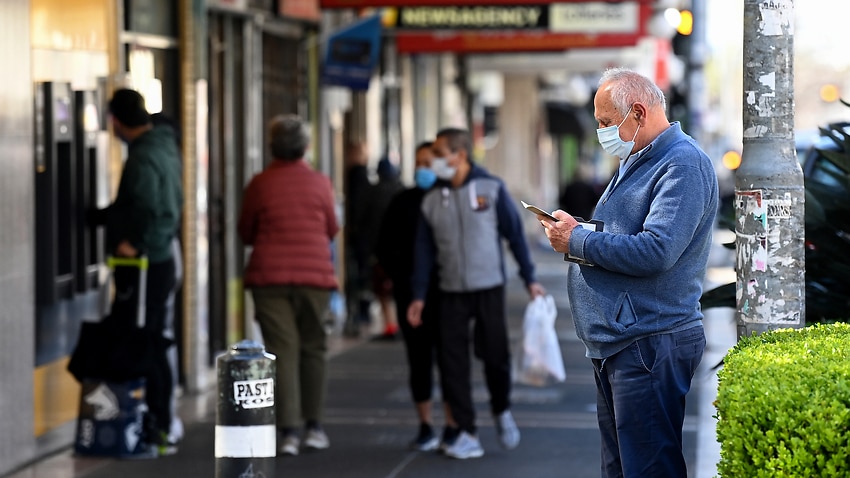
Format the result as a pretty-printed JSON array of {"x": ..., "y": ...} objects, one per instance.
[
  {"x": 529, "y": 16},
  {"x": 330, "y": 4},
  {"x": 525, "y": 27},
  {"x": 591, "y": 17}
]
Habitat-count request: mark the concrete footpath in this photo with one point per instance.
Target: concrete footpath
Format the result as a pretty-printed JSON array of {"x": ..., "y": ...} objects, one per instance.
[{"x": 370, "y": 419}]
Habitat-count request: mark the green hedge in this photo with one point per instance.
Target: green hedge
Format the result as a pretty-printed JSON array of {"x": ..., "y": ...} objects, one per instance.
[{"x": 783, "y": 404}]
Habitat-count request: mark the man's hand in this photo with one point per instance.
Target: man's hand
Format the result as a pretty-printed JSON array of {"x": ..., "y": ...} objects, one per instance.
[
  {"x": 414, "y": 313},
  {"x": 125, "y": 249},
  {"x": 559, "y": 232},
  {"x": 535, "y": 289}
]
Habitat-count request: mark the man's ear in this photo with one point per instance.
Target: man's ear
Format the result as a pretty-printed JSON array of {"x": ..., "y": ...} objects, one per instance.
[{"x": 639, "y": 112}]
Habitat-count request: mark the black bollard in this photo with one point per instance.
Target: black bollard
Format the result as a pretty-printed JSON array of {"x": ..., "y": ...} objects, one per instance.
[{"x": 245, "y": 433}]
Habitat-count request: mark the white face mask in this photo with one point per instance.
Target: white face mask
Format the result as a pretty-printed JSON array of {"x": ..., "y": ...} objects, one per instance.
[
  {"x": 441, "y": 168},
  {"x": 611, "y": 141}
]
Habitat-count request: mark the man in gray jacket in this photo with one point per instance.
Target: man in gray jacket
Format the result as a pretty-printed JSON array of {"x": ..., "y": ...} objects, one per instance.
[{"x": 464, "y": 218}]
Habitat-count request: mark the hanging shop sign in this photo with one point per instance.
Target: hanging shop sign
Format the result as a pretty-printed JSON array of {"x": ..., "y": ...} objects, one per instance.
[
  {"x": 541, "y": 27},
  {"x": 483, "y": 17},
  {"x": 351, "y": 54},
  {"x": 426, "y": 3}
]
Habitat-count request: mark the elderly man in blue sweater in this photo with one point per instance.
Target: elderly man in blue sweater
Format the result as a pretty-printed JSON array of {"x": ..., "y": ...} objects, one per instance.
[{"x": 635, "y": 294}]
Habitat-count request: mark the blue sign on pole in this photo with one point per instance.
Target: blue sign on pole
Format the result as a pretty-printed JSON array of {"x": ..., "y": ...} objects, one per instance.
[{"x": 351, "y": 54}]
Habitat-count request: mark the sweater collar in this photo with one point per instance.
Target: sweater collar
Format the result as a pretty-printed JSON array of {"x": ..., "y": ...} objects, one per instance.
[{"x": 661, "y": 142}]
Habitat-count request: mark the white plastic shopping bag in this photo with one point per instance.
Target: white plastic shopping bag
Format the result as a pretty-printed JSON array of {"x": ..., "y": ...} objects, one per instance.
[{"x": 539, "y": 361}]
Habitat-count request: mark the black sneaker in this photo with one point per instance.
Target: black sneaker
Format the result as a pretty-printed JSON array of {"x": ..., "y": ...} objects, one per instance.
[
  {"x": 450, "y": 434},
  {"x": 425, "y": 440}
]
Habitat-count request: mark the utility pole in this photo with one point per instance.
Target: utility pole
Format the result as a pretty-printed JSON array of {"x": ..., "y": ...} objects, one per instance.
[
  {"x": 391, "y": 99},
  {"x": 697, "y": 98},
  {"x": 769, "y": 190}
]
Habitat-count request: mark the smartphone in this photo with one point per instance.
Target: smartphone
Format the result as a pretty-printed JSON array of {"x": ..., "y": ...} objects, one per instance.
[{"x": 537, "y": 210}]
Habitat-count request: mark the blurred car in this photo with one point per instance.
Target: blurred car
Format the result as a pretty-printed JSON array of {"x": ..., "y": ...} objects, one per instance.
[
  {"x": 826, "y": 168},
  {"x": 825, "y": 160},
  {"x": 804, "y": 140}
]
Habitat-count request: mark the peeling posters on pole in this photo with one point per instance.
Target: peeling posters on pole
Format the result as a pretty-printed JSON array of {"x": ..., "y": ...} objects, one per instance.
[
  {"x": 760, "y": 245},
  {"x": 752, "y": 230}
]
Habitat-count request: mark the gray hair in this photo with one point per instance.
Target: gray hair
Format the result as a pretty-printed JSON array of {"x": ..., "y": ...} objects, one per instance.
[
  {"x": 632, "y": 87},
  {"x": 288, "y": 137}
]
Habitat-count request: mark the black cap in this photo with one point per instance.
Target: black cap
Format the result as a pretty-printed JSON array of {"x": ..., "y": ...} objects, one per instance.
[
  {"x": 386, "y": 169},
  {"x": 128, "y": 107}
]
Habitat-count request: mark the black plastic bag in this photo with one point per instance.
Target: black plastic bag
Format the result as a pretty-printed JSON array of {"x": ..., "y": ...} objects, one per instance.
[{"x": 114, "y": 350}]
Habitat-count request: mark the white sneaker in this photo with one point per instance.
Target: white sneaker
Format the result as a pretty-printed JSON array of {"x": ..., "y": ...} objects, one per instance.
[
  {"x": 448, "y": 438},
  {"x": 176, "y": 431},
  {"x": 507, "y": 430},
  {"x": 465, "y": 446},
  {"x": 289, "y": 445},
  {"x": 316, "y": 439}
]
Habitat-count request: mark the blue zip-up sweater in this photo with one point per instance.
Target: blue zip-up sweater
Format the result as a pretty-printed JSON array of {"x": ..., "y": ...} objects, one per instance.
[
  {"x": 650, "y": 259},
  {"x": 460, "y": 231}
]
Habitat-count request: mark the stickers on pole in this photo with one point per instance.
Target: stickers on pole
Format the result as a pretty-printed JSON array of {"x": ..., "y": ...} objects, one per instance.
[{"x": 254, "y": 393}]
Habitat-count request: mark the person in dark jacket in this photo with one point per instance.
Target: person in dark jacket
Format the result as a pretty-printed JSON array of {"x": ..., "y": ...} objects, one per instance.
[
  {"x": 173, "y": 313},
  {"x": 144, "y": 219},
  {"x": 394, "y": 252},
  {"x": 580, "y": 195},
  {"x": 464, "y": 219},
  {"x": 357, "y": 271},
  {"x": 378, "y": 197},
  {"x": 288, "y": 217}
]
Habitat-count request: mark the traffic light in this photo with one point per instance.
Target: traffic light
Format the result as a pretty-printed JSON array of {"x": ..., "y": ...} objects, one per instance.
[
  {"x": 681, "y": 41},
  {"x": 681, "y": 46}
]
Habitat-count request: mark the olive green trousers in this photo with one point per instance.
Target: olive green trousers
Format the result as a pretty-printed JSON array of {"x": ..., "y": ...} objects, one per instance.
[{"x": 291, "y": 319}]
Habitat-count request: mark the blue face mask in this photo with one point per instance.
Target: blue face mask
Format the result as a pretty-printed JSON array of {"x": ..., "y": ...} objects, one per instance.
[
  {"x": 612, "y": 143},
  {"x": 424, "y": 177}
]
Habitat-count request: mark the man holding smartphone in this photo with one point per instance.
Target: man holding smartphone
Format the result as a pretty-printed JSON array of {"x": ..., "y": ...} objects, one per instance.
[{"x": 637, "y": 310}]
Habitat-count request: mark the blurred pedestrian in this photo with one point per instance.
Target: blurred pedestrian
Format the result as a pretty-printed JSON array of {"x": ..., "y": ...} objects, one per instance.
[
  {"x": 394, "y": 251},
  {"x": 378, "y": 197},
  {"x": 143, "y": 220},
  {"x": 357, "y": 277},
  {"x": 173, "y": 316},
  {"x": 637, "y": 307},
  {"x": 580, "y": 195},
  {"x": 288, "y": 218},
  {"x": 464, "y": 218}
]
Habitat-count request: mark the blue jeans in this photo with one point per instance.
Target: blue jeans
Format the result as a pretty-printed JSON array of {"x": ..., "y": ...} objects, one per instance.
[{"x": 640, "y": 402}]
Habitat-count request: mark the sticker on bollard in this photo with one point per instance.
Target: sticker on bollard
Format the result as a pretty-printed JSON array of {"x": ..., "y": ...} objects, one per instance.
[
  {"x": 254, "y": 393},
  {"x": 245, "y": 432}
]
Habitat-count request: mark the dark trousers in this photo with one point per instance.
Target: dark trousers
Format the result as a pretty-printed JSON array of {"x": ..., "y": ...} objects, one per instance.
[
  {"x": 489, "y": 336},
  {"x": 421, "y": 343},
  {"x": 160, "y": 284},
  {"x": 640, "y": 404}
]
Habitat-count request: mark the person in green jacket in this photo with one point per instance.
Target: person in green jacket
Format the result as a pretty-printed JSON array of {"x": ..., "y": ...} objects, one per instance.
[{"x": 143, "y": 220}]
